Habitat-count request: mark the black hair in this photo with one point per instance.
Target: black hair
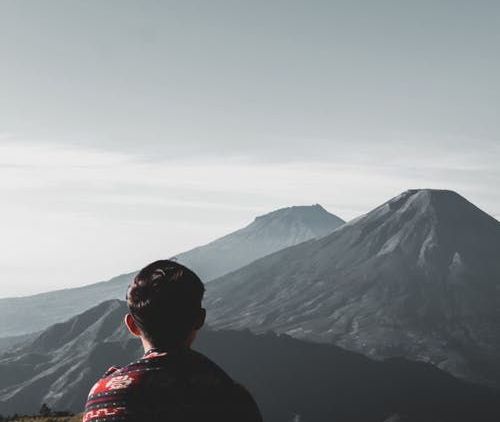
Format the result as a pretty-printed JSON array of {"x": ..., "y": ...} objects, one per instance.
[{"x": 165, "y": 301}]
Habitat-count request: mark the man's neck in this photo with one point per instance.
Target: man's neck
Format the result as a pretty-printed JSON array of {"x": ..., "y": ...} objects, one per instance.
[{"x": 148, "y": 346}]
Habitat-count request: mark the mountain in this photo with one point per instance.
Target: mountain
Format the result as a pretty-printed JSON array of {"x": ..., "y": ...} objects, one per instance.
[
  {"x": 419, "y": 277},
  {"x": 291, "y": 380},
  {"x": 267, "y": 234}
]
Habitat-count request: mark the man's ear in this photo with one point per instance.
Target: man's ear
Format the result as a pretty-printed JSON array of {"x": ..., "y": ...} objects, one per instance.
[
  {"x": 201, "y": 319},
  {"x": 132, "y": 326}
]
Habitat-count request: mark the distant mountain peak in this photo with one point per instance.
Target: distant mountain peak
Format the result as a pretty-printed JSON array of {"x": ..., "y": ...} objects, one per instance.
[
  {"x": 447, "y": 206},
  {"x": 302, "y": 221},
  {"x": 431, "y": 195},
  {"x": 289, "y": 226},
  {"x": 437, "y": 206},
  {"x": 428, "y": 220},
  {"x": 422, "y": 197},
  {"x": 265, "y": 235},
  {"x": 298, "y": 211},
  {"x": 430, "y": 191}
]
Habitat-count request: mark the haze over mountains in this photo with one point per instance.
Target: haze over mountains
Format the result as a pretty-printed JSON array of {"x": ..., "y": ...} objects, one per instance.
[
  {"x": 266, "y": 234},
  {"x": 418, "y": 277},
  {"x": 291, "y": 380}
]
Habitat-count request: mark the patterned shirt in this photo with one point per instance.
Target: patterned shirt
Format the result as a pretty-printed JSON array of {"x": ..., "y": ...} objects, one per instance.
[{"x": 182, "y": 386}]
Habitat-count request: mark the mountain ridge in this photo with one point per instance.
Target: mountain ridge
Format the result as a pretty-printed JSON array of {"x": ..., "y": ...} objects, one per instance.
[{"x": 326, "y": 379}]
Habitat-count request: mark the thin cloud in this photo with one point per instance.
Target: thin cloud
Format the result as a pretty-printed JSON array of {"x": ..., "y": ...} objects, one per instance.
[{"x": 81, "y": 214}]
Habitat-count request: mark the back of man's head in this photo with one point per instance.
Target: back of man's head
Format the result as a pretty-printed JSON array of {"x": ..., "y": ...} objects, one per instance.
[{"x": 165, "y": 301}]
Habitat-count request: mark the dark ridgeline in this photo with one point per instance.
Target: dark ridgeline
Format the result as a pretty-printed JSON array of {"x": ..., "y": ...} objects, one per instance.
[
  {"x": 268, "y": 233},
  {"x": 417, "y": 277},
  {"x": 292, "y": 380}
]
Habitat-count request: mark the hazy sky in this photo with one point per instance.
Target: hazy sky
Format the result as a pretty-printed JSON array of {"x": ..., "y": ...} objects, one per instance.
[{"x": 133, "y": 130}]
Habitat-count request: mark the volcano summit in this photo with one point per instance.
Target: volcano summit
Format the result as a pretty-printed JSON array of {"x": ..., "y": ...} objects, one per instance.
[{"x": 419, "y": 277}]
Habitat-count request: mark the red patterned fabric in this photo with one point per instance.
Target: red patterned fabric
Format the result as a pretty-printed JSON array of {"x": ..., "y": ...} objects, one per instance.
[{"x": 183, "y": 386}]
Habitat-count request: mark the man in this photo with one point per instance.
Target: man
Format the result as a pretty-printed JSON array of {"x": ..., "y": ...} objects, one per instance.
[{"x": 171, "y": 382}]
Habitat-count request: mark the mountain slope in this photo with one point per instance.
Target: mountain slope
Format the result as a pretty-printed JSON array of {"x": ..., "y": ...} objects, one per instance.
[
  {"x": 418, "y": 277},
  {"x": 290, "y": 379},
  {"x": 267, "y": 234}
]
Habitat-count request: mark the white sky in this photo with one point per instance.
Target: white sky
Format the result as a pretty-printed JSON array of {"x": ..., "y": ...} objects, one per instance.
[{"x": 133, "y": 130}]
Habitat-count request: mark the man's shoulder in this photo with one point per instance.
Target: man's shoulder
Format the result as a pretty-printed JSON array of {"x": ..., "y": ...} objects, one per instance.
[
  {"x": 109, "y": 397},
  {"x": 119, "y": 378},
  {"x": 144, "y": 371}
]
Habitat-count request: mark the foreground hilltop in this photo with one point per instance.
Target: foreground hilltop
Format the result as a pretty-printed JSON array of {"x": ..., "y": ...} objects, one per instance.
[
  {"x": 268, "y": 233},
  {"x": 419, "y": 277},
  {"x": 290, "y": 379}
]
